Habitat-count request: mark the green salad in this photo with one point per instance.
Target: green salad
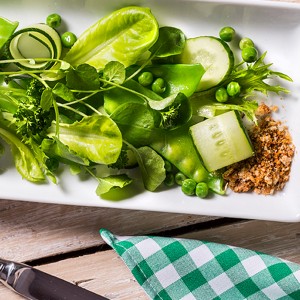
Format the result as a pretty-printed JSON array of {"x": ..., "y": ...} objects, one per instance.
[{"x": 128, "y": 94}]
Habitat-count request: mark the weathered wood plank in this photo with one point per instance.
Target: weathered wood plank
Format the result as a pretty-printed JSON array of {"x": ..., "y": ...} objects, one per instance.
[
  {"x": 49, "y": 229},
  {"x": 105, "y": 273}
]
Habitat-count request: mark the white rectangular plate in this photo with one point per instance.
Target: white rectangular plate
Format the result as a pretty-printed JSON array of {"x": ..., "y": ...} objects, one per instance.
[{"x": 273, "y": 26}]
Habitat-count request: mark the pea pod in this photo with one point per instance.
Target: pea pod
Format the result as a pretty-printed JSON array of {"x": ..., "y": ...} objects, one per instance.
[
  {"x": 183, "y": 78},
  {"x": 177, "y": 147}
]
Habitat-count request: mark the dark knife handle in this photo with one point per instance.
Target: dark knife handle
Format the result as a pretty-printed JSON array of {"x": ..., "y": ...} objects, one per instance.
[
  {"x": 37, "y": 285},
  {"x": 34, "y": 284}
]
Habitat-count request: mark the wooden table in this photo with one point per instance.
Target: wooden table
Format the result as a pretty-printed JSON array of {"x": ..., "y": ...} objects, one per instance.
[{"x": 64, "y": 240}]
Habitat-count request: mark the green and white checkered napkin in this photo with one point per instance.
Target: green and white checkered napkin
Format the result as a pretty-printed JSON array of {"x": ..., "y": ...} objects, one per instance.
[{"x": 172, "y": 268}]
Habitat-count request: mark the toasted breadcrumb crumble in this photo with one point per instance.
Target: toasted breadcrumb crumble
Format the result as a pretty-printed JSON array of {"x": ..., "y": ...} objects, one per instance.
[{"x": 269, "y": 169}]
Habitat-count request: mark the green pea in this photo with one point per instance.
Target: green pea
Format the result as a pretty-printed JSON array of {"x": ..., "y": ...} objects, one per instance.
[
  {"x": 169, "y": 180},
  {"x": 201, "y": 190},
  {"x": 53, "y": 20},
  {"x": 221, "y": 94},
  {"x": 245, "y": 42},
  {"x": 233, "y": 88},
  {"x": 145, "y": 79},
  {"x": 189, "y": 186},
  {"x": 227, "y": 33},
  {"x": 249, "y": 54},
  {"x": 68, "y": 39},
  {"x": 158, "y": 85},
  {"x": 179, "y": 178},
  {"x": 168, "y": 166}
]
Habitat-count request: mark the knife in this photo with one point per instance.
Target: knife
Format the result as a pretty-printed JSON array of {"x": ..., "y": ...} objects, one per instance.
[{"x": 34, "y": 284}]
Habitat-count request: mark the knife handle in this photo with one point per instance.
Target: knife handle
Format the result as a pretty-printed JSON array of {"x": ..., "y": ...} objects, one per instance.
[{"x": 34, "y": 284}]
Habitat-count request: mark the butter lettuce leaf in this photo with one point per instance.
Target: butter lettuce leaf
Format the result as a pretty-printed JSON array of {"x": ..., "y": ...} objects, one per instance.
[
  {"x": 96, "y": 138},
  {"x": 123, "y": 36},
  {"x": 24, "y": 158}
]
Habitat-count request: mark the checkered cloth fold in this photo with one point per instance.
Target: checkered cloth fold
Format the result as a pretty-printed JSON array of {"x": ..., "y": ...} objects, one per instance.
[{"x": 173, "y": 268}]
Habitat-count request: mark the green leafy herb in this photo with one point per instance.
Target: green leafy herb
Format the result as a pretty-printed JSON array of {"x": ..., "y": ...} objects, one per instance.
[
  {"x": 254, "y": 76},
  {"x": 152, "y": 167},
  {"x": 62, "y": 91},
  {"x": 84, "y": 77},
  {"x": 114, "y": 72},
  {"x": 112, "y": 182}
]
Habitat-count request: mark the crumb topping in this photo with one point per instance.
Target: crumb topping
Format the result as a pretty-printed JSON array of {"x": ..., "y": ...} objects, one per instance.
[{"x": 269, "y": 169}]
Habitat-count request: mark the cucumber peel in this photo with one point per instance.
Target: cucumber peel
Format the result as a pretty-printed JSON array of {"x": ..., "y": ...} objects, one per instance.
[
  {"x": 222, "y": 140},
  {"x": 213, "y": 54},
  {"x": 30, "y": 45}
]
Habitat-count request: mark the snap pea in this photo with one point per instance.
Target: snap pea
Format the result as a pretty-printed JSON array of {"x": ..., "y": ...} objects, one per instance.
[{"x": 177, "y": 147}]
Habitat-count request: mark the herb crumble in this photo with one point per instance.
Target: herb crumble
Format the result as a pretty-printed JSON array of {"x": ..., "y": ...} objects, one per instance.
[{"x": 269, "y": 169}]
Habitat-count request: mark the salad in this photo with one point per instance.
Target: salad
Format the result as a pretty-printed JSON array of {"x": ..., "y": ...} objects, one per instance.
[{"x": 127, "y": 95}]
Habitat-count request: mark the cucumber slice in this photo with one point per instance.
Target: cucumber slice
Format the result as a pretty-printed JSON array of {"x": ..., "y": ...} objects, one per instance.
[
  {"x": 35, "y": 42},
  {"x": 222, "y": 140},
  {"x": 213, "y": 54}
]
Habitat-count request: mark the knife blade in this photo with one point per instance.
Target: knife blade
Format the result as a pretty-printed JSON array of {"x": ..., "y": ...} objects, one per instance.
[{"x": 34, "y": 284}]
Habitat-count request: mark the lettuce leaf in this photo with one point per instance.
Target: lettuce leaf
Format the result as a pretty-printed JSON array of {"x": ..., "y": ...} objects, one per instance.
[
  {"x": 122, "y": 36},
  {"x": 96, "y": 138}
]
